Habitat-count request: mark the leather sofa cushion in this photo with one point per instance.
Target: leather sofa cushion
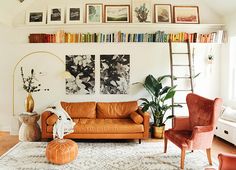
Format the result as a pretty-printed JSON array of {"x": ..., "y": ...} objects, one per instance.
[
  {"x": 137, "y": 118},
  {"x": 105, "y": 126},
  {"x": 80, "y": 109},
  {"x": 51, "y": 120},
  {"x": 116, "y": 110}
]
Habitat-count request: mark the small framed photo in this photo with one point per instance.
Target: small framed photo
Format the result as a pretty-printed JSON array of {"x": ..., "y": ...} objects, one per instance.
[
  {"x": 142, "y": 11},
  {"x": 56, "y": 15},
  {"x": 35, "y": 17},
  {"x": 186, "y": 14},
  {"x": 162, "y": 13},
  {"x": 117, "y": 13},
  {"x": 74, "y": 15},
  {"x": 94, "y": 13}
]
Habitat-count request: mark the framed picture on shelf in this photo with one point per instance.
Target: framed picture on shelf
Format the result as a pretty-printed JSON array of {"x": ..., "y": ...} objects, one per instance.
[
  {"x": 162, "y": 13},
  {"x": 74, "y": 15},
  {"x": 117, "y": 13},
  {"x": 186, "y": 14},
  {"x": 142, "y": 11},
  {"x": 56, "y": 15},
  {"x": 35, "y": 17},
  {"x": 94, "y": 13}
]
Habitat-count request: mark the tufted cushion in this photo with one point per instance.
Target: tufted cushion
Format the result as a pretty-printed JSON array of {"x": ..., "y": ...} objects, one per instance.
[
  {"x": 80, "y": 109},
  {"x": 116, "y": 110},
  {"x": 201, "y": 110},
  {"x": 51, "y": 120},
  {"x": 137, "y": 118},
  {"x": 61, "y": 151}
]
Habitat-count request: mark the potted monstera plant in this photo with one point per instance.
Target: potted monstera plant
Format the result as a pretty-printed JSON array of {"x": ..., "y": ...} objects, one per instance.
[{"x": 158, "y": 104}]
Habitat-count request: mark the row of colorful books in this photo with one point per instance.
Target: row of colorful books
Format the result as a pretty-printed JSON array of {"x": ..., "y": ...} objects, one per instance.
[{"x": 158, "y": 36}]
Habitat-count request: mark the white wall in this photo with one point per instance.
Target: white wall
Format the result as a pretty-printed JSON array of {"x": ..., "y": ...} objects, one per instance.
[
  {"x": 226, "y": 62},
  {"x": 146, "y": 58}
]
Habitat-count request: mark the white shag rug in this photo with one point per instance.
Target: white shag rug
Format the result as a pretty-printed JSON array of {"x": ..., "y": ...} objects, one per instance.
[{"x": 105, "y": 156}]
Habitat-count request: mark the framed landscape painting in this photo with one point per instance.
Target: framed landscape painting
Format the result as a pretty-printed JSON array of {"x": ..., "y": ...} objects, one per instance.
[
  {"x": 94, "y": 13},
  {"x": 162, "y": 13},
  {"x": 117, "y": 13},
  {"x": 74, "y": 15},
  {"x": 55, "y": 15},
  {"x": 142, "y": 11},
  {"x": 35, "y": 17},
  {"x": 186, "y": 14}
]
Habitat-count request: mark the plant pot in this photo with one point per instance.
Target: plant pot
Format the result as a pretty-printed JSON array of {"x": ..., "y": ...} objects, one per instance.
[
  {"x": 158, "y": 132},
  {"x": 29, "y": 103}
]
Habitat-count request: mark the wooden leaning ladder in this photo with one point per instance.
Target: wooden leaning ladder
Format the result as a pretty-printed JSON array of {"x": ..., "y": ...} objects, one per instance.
[{"x": 172, "y": 66}]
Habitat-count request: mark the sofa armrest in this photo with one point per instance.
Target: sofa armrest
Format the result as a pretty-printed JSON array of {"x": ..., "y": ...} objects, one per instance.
[
  {"x": 44, "y": 117},
  {"x": 146, "y": 119}
]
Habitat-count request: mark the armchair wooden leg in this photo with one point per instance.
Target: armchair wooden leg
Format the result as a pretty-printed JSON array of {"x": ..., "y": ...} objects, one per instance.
[
  {"x": 183, "y": 151},
  {"x": 208, "y": 151},
  {"x": 165, "y": 144},
  {"x": 139, "y": 141}
]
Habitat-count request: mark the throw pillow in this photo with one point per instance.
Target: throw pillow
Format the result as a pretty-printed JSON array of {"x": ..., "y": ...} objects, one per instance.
[
  {"x": 229, "y": 114},
  {"x": 137, "y": 118}
]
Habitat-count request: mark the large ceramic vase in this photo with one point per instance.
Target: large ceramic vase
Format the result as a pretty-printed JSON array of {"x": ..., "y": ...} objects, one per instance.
[
  {"x": 29, "y": 103},
  {"x": 158, "y": 132}
]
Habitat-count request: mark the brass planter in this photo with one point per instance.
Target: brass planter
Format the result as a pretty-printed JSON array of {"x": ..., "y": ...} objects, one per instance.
[
  {"x": 158, "y": 132},
  {"x": 29, "y": 103}
]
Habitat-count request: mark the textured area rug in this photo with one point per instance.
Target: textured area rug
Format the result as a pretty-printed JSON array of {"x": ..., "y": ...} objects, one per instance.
[{"x": 104, "y": 156}]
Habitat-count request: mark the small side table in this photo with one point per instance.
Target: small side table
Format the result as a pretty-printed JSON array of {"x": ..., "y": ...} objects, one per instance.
[{"x": 29, "y": 130}]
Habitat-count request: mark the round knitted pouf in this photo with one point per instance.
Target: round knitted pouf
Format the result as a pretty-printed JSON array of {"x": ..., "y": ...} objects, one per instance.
[{"x": 61, "y": 151}]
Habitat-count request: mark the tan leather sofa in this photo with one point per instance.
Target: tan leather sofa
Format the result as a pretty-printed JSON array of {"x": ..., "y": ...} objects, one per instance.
[{"x": 116, "y": 120}]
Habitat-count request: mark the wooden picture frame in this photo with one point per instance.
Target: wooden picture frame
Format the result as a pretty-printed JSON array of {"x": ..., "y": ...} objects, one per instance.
[
  {"x": 94, "y": 13},
  {"x": 74, "y": 14},
  {"x": 117, "y": 14},
  {"x": 35, "y": 17},
  {"x": 163, "y": 13},
  {"x": 141, "y": 11},
  {"x": 186, "y": 14},
  {"x": 56, "y": 15}
]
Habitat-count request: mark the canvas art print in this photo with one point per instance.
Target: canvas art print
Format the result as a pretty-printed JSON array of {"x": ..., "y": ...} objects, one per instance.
[
  {"x": 117, "y": 13},
  {"x": 81, "y": 68},
  {"x": 74, "y": 14},
  {"x": 94, "y": 13},
  {"x": 162, "y": 13},
  {"x": 142, "y": 11},
  {"x": 186, "y": 14},
  {"x": 35, "y": 17},
  {"x": 115, "y": 74},
  {"x": 55, "y": 15}
]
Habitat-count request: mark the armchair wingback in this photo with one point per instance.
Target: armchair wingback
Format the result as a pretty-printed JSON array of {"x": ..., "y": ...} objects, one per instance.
[{"x": 197, "y": 130}]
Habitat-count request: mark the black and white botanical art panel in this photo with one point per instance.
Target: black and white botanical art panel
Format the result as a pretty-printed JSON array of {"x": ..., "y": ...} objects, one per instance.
[
  {"x": 114, "y": 74},
  {"x": 82, "y": 70}
]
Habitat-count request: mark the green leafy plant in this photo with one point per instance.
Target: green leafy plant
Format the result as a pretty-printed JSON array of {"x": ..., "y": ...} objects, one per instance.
[
  {"x": 28, "y": 82},
  {"x": 159, "y": 96}
]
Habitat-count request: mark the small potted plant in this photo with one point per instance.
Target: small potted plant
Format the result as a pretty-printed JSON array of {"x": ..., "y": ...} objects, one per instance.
[
  {"x": 30, "y": 87},
  {"x": 158, "y": 103}
]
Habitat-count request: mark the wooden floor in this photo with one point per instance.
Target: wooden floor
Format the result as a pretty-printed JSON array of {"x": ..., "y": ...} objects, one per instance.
[{"x": 219, "y": 145}]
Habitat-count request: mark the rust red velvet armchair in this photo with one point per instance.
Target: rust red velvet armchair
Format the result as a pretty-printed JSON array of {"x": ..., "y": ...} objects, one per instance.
[
  {"x": 227, "y": 161},
  {"x": 196, "y": 131}
]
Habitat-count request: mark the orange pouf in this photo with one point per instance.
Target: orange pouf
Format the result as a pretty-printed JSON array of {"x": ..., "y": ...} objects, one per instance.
[{"x": 61, "y": 151}]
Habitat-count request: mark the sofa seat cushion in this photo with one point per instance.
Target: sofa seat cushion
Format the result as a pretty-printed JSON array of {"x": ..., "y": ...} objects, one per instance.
[
  {"x": 105, "y": 126},
  {"x": 116, "y": 110},
  {"x": 80, "y": 109}
]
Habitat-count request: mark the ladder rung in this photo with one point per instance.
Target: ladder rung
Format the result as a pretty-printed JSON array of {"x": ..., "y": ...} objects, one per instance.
[
  {"x": 182, "y": 77},
  {"x": 179, "y": 65},
  {"x": 180, "y": 103},
  {"x": 179, "y": 53},
  {"x": 184, "y": 90}
]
